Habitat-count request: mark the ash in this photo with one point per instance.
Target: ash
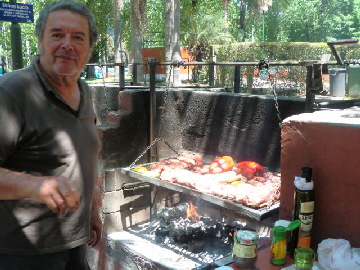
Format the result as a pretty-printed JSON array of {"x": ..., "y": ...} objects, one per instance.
[{"x": 201, "y": 239}]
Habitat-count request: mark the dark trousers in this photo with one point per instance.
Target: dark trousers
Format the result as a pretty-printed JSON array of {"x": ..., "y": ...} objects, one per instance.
[{"x": 72, "y": 259}]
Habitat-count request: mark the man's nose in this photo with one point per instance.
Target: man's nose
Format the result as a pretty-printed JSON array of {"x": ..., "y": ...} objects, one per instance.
[{"x": 67, "y": 45}]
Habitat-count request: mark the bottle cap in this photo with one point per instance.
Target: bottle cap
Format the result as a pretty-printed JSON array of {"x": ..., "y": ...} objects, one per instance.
[
  {"x": 293, "y": 225},
  {"x": 306, "y": 172},
  {"x": 279, "y": 232},
  {"x": 246, "y": 237}
]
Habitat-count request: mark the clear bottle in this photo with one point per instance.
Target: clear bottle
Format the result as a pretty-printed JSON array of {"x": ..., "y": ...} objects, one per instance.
[{"x": 303, "y": 210}]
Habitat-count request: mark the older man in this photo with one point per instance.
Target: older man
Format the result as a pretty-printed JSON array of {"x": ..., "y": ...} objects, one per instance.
[{"x": 49, "y": 148}]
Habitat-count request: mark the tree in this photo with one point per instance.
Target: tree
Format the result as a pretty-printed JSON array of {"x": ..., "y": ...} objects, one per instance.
[
  {"x": 118, "y": 45},
  {"x": 138, "y": 21},
  {"x": 319, "y": 20},
  {"x": 172, "y": 38}
]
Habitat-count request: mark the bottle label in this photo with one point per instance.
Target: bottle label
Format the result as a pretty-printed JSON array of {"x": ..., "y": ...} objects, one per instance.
[
  {"x": 307, "y": 207},
  {"x": 244, "y": 251},
  {"x": 306, "y": 216},
  {"x": 304, "y": 241},
  {"x": 306, "y": 222},
  {"x": 278, "y": 249}
]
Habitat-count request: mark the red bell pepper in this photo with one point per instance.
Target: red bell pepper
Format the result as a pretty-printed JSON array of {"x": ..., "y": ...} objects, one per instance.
[
  {"x": 249, "y": 169},
  {"x": 221, "y": 164}
]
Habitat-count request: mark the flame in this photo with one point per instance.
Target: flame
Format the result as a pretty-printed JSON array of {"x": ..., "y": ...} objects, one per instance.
[{"x": 191, "y": 212}]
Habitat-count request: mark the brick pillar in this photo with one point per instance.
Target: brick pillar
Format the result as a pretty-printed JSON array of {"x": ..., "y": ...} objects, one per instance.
[{"x": 328, "y": 142}]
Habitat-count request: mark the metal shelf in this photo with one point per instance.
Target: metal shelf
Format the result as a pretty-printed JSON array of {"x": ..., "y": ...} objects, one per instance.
[{"x": 257, "y": 214}]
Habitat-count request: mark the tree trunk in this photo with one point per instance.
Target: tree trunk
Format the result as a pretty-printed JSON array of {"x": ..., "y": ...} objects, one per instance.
[
  {"x": 118, "y": 49},
  {"x": 138, "y": 8},
  {"x": 226, "y": 13},
  {"x": 242, "y": 20},
  {"x": 172, "y": 39}
]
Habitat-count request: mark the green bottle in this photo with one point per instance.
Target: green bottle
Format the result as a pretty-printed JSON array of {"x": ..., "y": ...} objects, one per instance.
[{"x": 278, "y": 244}]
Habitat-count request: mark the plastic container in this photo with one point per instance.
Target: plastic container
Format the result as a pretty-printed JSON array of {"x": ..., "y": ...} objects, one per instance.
[
  {"x": 278, "y": 246},
  {"x": 279, "y": 242},
  {"x": 337, "y": 82},
  {"x": 353, "y": 81}
]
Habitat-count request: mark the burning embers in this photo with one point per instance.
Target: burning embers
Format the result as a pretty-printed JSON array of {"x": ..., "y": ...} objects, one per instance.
[
  {"x": 184, "y": 226},
  {"x": 191, "y": 213}
]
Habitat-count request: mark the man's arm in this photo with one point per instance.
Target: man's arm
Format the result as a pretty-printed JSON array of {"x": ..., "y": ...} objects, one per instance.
[
  {"x": 55, "y": 191},
  {"x": 96, "y": 224}
]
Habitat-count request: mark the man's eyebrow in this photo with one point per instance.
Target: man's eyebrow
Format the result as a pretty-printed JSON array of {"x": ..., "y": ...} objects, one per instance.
[{"x": 55, "y": 29}]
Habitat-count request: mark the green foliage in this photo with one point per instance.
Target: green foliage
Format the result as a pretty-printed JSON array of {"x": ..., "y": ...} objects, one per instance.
[
  {"x": 314, "y": 21},
  {"x": 101, "y": 9},
  {"x": 154, "y": 32},
  {"x": 275, "y": 52},
  {"x": 126, "y": 25},
  {"x": 203, "y": 25}
]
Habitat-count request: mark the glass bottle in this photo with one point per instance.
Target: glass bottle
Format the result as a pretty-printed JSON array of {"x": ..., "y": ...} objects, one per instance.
[
  {"x": 245, "y": 249},
  {"x": 304, "y": 258},
  {"x": 303, "y": 210}
]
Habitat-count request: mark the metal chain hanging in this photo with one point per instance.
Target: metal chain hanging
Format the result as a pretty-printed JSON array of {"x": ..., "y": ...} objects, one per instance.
[
  {"x": 102, "y": 171},
  {"x": 158, "y": 139},
  {"x": 106, "y": 100},
  {"x": 264, "y": 64},
  {"x": 273, "y": 87}
]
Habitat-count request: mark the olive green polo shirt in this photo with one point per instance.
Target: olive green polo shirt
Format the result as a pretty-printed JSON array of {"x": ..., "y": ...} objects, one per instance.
[{"x": 41, "y": 135}]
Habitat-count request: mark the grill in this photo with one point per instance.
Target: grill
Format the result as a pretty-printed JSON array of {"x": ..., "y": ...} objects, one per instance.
[
  {"x": 152, "y": 249},
  {"x": 157, "y": 246},
  {"x": 257, "y": 214}
]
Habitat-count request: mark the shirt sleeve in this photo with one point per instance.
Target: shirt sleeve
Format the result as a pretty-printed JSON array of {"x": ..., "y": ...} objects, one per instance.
[{"x": 11, "y": 120}]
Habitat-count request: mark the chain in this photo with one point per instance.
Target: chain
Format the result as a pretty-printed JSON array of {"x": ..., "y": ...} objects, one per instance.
[
  {"x": 165, "y": 97},
  {"x": 158, "y": 139},
  {"x": 104, "y": 87},
  {"x": 102, "y": 174},
  {"x": 273, "y": 86}
]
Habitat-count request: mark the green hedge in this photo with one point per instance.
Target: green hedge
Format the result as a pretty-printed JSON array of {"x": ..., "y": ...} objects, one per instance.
[
  {"x": 275, "y": 51},
  {"x": 278, "y": 51}
]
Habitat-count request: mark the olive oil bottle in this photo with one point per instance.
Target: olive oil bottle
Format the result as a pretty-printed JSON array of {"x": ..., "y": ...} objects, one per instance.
[{"x": 303, "y": 210}]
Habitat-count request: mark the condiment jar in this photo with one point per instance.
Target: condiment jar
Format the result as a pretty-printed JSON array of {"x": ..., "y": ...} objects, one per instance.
[
  {"x": 278, "y": 246},
  {"x": 245, "y": 249},
  {"x": 304, "y": 258},
  {"x": 278, "y": 243}
]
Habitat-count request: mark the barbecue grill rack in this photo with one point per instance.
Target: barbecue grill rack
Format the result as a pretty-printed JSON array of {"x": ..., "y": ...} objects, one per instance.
[{"x": 257, "y": 214}]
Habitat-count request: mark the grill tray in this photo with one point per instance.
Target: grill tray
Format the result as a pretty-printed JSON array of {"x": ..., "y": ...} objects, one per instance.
[{"x": 257, "y": 214}]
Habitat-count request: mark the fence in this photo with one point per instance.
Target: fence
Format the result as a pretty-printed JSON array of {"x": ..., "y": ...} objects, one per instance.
[{"x": 288, "y": 78}]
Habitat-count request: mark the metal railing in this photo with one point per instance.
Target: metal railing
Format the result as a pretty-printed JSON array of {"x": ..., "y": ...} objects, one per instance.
[{"x": 267, "y": 75}]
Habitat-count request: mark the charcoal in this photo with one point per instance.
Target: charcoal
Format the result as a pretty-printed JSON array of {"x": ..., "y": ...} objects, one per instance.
[
  {"x": 160, "y": 235},
  {"x": 176, "y": 212}
]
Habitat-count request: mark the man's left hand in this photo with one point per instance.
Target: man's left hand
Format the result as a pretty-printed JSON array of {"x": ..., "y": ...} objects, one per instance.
[{"x": 95, "y": 230}]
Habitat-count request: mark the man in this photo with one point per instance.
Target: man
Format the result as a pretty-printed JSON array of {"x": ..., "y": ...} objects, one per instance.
[{"x": 49, "y": 149}]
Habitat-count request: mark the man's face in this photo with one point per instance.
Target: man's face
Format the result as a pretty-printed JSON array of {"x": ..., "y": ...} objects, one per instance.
[{"x": 65, "y": 47}]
